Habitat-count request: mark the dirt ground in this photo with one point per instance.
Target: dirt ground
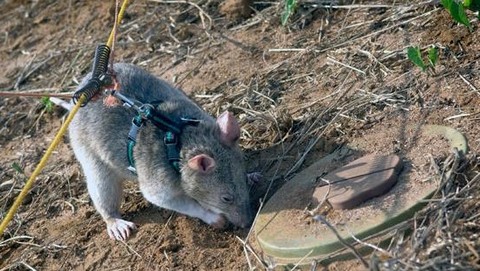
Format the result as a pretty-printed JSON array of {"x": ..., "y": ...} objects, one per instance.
[{"x": 332, "y": 74}]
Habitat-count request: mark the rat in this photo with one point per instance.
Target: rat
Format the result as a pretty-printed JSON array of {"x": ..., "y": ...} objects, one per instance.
[{"x": 211, "y": 182}]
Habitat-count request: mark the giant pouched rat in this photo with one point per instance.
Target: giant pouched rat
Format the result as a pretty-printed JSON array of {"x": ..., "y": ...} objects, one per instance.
[{"x": 211, "y": 181}]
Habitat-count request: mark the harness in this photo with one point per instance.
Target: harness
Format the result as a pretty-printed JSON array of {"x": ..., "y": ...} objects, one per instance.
[
  {"x": 101, "y": 78},
  {"x": 172, "y": 128}
]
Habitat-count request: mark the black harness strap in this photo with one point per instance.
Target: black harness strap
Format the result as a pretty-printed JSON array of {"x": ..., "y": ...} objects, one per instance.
[{"x": 171, "y": 127}]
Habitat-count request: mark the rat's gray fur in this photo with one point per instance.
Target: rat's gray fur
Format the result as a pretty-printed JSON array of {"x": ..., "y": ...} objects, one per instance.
[{"x": 99, "y": 139}]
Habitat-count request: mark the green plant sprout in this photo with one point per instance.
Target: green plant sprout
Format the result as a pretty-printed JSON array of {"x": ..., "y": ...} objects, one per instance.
[
  {"x": 457, "y": 10},
  {"x": 289, "y": 9},
  {"x": 433, "y": 56},
  {"x": 47, "y": 104},
  {"x": 17, "y": 168},
  {"x": 414, "y": 54}
]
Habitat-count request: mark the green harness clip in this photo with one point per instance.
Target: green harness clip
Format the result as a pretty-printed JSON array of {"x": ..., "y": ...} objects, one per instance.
[{"x": 137, "y": 122}]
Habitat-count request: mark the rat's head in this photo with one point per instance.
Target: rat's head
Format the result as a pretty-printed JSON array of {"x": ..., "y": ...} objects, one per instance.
[{"x": 213, "y": 171}]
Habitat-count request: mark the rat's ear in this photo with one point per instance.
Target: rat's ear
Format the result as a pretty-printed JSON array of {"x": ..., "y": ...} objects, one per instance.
[
  {"x": 229, "y": 128},
  {"x": 202, "y": 163}
]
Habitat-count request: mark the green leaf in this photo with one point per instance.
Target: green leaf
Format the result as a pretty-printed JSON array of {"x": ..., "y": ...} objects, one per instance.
[
  {"x": 413, "y": 53},
  {"x": 290, "y": 6},
  {"x": 47, "y": 104},
  {"x": 457, "y": 12},
  {"x": 433, "y": 55},
  {"x": 473, "y": 5},
  {"x": 463, "y": 19},
  {"x": 447, "y": 4},
  {"x": 17, "y": 168}
]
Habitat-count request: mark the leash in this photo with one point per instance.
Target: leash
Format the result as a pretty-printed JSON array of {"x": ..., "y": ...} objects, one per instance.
[{"x": 82, "y": 99}]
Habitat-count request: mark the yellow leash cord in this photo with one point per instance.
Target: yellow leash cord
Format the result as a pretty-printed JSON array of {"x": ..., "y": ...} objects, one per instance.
[
  {"x": 40, "y": 166},
  {"x": 53, "y": 145},
  {"x": 119, "y": 19}
]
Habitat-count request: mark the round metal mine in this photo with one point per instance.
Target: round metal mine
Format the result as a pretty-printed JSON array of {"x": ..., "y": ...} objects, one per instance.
[{"x": 360, "y": 190}]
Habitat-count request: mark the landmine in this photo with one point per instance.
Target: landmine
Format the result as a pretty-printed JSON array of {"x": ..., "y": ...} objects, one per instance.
[{"x": 363, "y": 190}]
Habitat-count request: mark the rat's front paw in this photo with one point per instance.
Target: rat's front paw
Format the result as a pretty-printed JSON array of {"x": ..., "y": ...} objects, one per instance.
[{"x": 119, "y": 229}]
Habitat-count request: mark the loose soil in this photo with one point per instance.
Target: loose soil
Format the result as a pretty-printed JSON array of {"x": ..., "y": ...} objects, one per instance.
[{"x": 330, "y": 76}]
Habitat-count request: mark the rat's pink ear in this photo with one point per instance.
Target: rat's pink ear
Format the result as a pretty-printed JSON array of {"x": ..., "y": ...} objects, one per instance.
[
  {"x": 202, "y": 163},
  {"x": 229, "y": 128}
]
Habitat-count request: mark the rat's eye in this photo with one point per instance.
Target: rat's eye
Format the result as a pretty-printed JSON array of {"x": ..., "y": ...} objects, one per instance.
[{"x": 227, "y": 198}]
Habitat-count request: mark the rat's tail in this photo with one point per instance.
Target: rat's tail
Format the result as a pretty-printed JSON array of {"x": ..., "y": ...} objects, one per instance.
[{"x": 61, "y": 103}]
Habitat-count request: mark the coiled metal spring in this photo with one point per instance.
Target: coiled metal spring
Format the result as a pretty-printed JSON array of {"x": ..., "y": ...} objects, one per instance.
[
  {"x": 100, "y": 62},
  {"x": 99, "y": 70},
  {"x": 89, "y": 90}
]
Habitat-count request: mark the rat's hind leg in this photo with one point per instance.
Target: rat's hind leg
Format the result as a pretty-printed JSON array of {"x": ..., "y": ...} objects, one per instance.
[{"x": 105, "y": 189}]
